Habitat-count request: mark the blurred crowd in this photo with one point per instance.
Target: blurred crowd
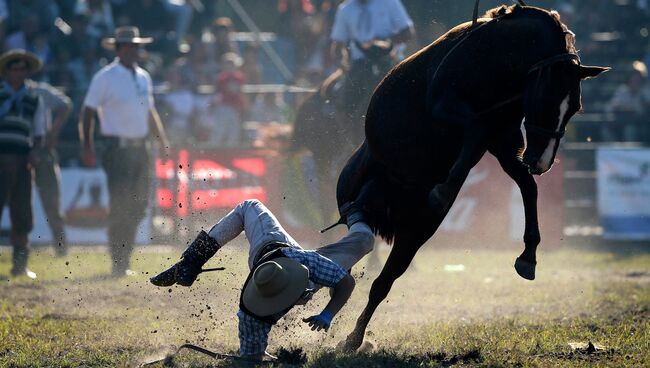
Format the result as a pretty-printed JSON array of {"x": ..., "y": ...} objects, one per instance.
[{"x": 205, "y": 51}]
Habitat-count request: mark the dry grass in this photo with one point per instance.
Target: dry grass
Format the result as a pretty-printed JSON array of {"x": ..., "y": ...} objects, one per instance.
[{"x": 483, "y": 316}]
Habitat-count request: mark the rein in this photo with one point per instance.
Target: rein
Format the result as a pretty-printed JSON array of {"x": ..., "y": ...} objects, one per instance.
[
  {"x": 168, "y": 360},
  {"x": 536, "y": 67}
]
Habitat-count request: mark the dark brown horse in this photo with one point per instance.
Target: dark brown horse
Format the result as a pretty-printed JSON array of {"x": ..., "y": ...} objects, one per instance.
[
  {"x": 329, "y": 123},
  {"x": 507, "y": 84}
]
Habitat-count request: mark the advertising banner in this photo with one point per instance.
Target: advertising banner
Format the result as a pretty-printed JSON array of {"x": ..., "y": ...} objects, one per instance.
[
  {"x": 196, "y": 187},
  {"x": 624, "y": 193}
]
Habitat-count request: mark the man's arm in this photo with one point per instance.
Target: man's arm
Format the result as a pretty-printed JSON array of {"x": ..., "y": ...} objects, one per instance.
[
  {"x": 341, "y": 294},
  {"x": 159, "y": 131},
  {"x": 339, "y": 53},
  {"x": 403, "y": 36},
  {"x": 342, "y": 291},
  {"x": 61, "y": 115},
  {"x": 86, "y": 131}
]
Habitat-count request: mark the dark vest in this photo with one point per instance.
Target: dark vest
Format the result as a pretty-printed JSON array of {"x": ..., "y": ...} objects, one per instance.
[{"x": 16, "y": 124}]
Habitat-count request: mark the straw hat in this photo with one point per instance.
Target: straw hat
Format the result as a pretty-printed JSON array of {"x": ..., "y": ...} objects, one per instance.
[
  {"x": 34, "y": 64},
  {"x": 125, "y": 35},
  {"x": 275, "y": 286}
]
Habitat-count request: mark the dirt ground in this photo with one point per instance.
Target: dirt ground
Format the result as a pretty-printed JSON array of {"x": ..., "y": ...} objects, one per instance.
[{"x": 438, "y": 314}]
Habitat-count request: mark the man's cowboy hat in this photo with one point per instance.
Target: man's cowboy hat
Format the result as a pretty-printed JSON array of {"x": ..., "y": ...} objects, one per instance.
[
  {"x": 125, "y": 35},
  {"x": 275, "y": 286},
  {"x": 34, "y": 64}
]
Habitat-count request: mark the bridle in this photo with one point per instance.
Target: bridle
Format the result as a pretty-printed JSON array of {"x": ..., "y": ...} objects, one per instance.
[{"x": 540, "y": 68}]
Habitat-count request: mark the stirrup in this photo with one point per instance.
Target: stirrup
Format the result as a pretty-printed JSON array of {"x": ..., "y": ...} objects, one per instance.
[{"x": 345, "y": 210}]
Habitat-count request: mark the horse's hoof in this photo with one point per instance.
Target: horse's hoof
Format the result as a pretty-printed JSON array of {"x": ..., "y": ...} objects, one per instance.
[
  {"x": 350, "y": 345},
  {"x": 525, "y": 269}
]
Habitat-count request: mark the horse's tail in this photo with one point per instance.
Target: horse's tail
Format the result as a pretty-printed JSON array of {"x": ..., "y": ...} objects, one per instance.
[{"x": 362, "y": 174}]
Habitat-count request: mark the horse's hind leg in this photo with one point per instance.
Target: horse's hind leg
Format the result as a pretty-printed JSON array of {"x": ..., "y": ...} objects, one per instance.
[
  {"x": 398, "y": 261},
  {"x": 526, "y": 262}
]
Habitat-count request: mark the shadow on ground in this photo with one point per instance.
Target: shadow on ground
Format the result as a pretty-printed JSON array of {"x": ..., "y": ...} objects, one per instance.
[{"x": 384, "y": 358}]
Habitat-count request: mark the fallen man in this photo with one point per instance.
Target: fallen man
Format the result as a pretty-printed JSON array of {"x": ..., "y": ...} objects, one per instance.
[{"x": 282, "y": 273}]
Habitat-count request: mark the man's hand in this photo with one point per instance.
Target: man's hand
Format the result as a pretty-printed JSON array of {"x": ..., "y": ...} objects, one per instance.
[
  {"x": 51, "y": 140},
  {"x": 319, "y": 322},
  {"x": 88, "y": 158},
  {"x": 33, "y": 159}
]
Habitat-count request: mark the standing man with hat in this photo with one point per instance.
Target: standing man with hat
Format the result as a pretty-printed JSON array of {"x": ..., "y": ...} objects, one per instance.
[
  {"x": 282, "y": 273},
  {"x": 121, "y": 95},
  {"x": 22, "y": 127}
]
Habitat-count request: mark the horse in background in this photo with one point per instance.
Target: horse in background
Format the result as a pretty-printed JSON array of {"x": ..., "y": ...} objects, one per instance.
[
  {"x": 329, "y": 123},
  {"x": 506, "y": 84}
]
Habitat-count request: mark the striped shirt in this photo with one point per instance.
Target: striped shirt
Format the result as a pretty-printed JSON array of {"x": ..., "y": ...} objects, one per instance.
[{"x": 253, "y": 333}]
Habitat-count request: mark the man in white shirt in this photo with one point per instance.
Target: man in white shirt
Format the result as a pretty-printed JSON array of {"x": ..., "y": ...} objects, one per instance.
[
  {"x": 362, "y": 28},
  {"x": 121, "y": 95}
]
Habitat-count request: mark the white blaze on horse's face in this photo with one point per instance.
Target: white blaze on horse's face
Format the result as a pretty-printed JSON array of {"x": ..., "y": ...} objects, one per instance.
[{"x": 547, "y": 158}]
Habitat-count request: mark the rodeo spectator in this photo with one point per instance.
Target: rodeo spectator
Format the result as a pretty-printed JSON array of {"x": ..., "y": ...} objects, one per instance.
[
  {"x": 30, "y": 37},
  {"x": 220, "y": 41},
  {"x": 22, "y": 127},
  {"x": 629, "y": 104},
  {"x": 360, "y": 25},
  {"x": 230, "y": 102},
  {"x": 179, "y": 104},
  {"x": 282, "y": 273},
  {"x": 99, "y": 15},
  {"x": 121, "y": 94},
  {"x": 47, "y": 173}
]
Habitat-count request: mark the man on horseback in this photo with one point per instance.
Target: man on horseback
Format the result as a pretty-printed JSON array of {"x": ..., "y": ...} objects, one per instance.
[{"x": 368, "y": 38}]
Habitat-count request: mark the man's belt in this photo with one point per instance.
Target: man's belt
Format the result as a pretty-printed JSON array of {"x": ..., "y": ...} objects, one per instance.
[
  {"x": 265, "y": 250},
  {"x": 123, "y": 142}
]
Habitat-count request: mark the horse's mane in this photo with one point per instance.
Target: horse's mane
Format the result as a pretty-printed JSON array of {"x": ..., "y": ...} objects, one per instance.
[{"x": 552, "y": 15}]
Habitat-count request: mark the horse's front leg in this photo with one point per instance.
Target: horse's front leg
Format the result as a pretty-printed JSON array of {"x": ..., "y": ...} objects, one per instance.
[
  {"x": 527, "y": 261},
  {"x": 398, "y": 261}
]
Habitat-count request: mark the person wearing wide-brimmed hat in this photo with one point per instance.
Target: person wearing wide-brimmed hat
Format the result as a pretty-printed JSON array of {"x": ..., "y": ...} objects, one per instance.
[
  {"x": 282, "y": 273},
  {"x": 121, "y": 95},
  {"x": 22, "y": 127}
]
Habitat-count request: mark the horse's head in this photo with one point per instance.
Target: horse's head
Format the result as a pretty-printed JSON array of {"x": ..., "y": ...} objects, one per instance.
[{"x": 551, "y": 98}]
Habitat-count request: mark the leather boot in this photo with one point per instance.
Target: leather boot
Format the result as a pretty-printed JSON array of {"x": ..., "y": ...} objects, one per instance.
[
  {"x": 195, "y": 256},
  {"x": 19, "y": 258}
]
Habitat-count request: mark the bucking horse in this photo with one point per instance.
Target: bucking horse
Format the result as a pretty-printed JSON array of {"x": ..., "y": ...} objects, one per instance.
[{"x": 506, "y": 83}]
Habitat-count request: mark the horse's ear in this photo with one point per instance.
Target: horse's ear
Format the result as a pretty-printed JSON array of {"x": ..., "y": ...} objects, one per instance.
[{"x": 586, "y": 72}]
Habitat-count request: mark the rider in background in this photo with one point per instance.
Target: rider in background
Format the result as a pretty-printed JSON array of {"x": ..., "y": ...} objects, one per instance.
[{"x": 363, "y": 30}]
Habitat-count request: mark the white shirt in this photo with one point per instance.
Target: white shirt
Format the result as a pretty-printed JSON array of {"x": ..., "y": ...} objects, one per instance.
[
  {"x": 376, "y": 19},
  {"x": 122, "y": 98},
  {"x": 51, "y": 98}
]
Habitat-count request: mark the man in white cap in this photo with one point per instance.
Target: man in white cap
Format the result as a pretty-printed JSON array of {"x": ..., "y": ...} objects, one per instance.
[
  {"x": 282, "y": 273},
  {"x": 22, "y": 127},
  {"x": 121, "y": 94}
]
